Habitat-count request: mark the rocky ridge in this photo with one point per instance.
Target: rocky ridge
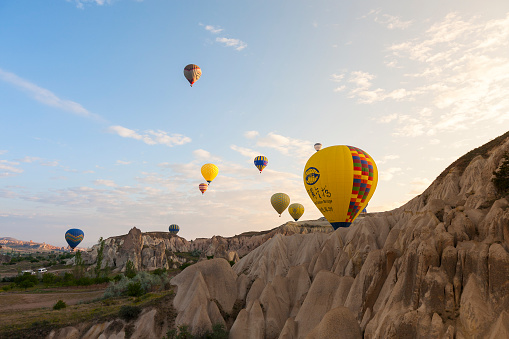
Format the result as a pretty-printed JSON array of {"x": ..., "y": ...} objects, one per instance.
[
  {"x": 437, "y": 267},
  {"x": 152, "y": 250}
]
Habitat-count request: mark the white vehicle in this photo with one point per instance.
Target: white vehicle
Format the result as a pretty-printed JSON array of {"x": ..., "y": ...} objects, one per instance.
[
  {"x": 27, "y": 271},
  {"x": 42, "y": 270}
]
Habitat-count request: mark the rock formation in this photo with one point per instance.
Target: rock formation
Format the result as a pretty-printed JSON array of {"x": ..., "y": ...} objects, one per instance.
[
  {"x": 152, "y": 250},
  {"x": 437, "y": 267}
]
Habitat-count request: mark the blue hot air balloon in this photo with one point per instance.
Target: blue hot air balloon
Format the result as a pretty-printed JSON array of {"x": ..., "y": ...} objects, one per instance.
[
  {"x": 174, "y": 228},
  {"x": 74, "y": 236},
  {"x": 261, "y": 162}
]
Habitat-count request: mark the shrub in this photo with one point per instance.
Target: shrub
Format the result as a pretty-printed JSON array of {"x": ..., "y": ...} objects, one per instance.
[
  {"x": 130, "y": 270},
  {"x": 129, "y": 313},
  {"x": 134, "y": 289},
  {"x": 501, "y": 176},
  {"x": 185, "y": 265},
  {"x": 59, "y": 305},
  {"x": 218, "y": 332}
]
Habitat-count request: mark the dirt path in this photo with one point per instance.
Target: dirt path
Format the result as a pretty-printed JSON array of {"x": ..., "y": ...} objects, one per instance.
[{"x": 26, "y": 301}]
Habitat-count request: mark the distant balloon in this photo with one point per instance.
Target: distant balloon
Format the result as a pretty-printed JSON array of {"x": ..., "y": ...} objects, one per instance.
[
  {"x": 261, "y": 162},
  {"x": 280, "y": 202},
  {"x": 296, "y": 211},
  {"x": 318, "y": 146},
  {"x": 74, "y": 236},
  {"x": 174, "y": 229},
  {"x": 203, "y": 187},
  {"x": 340, "y": 180},
  {"x": 209, "y": 172},
  {"x": 192, "y": 73}
]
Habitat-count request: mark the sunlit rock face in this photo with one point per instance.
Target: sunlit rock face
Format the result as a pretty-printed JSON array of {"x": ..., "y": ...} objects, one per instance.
[{"x": 436, "y": 267}]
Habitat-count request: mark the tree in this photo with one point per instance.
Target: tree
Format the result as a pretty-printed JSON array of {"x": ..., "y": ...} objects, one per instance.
[
  {"x": 501, "y": 176},
  {"x": 130, "y": 270},
  {"x": 80, "y": 266},
  {"x": 100, "y": 254}
]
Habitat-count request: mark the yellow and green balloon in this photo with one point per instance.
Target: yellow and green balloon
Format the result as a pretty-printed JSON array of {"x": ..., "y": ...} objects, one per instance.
[
  {"x": 340, "y": 180},
  {"x": 296, "y": 210},
  {"x": 280, "y": 202}
]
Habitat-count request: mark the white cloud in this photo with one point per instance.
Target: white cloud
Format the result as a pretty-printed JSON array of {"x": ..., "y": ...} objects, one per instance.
[
  {"x": 251, "y": 134},
  {"x": 286, "y": 145},
  {"x": 201, "y": 154},
  {"x": 388, "y": 174},
  {"x": 392, "y": 22},
  {"x": 45, "y": 96},
  {"x": 53, "y": 163},
  {"x": 337, "y": 77},
  {"x": 213, "y": 29},
  {"x": 386, "y": 158},
  {"x": 122, "y": 162},
  {"x": 151, "y": 137},
  {"x": 459, "y": 72},
  {"x": 235, "y": 43},
  {"x": 245, "y": 151},
  {"x": 103, "y": 182},
  {"x": 81, "y": 3},
  {"x": 387, "y": 118},
  {"x": 3, "y": 152},
  {"x": 8, "y": 168},
  {"x": 28, "y": 159}
]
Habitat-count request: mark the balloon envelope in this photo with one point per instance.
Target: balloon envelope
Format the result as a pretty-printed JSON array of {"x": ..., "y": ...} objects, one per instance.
[
  {"x": 318, "y": 146},
  {"x": 340, "y": 180},
  {"x": 261, "y": 162},
  {"x": 173, "y": 228},
  {"x": 74, "y": 236},
  {"x": 280, "y": 202},
  {"x": 296, "y": 211},
  {"x": 209, "y": 172},
  {"x": 203, "y": 187},
  {"x": 192, "y": 73}
]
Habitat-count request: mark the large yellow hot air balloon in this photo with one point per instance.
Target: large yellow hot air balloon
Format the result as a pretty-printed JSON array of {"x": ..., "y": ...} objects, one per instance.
[
  {"x": 209, "y": 172},
  {"x": 192, "y": 73},
  {"x": 296, "y": 211},
  {"x": 280, "y": 202},
  {"x": 340, "y": 180}
]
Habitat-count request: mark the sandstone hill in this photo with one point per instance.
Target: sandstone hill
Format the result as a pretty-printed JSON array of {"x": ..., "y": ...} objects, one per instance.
[
  {"x": 437, "y": 267},
  {"x": 152, "y": 250}
]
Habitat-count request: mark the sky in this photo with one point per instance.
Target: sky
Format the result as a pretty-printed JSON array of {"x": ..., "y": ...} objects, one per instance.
[{"x": 99, "y": 129}]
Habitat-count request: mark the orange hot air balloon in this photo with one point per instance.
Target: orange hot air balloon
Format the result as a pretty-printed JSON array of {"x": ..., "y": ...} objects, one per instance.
[{"x": 203, "y": 187}]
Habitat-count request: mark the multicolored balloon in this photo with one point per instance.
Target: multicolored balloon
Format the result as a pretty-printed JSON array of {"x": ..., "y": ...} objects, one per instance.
[
  {"x": 280, "y": 202},
  {"x": 203, "y": 187},
  {"x": 318, "y": 146},
  {"x": 173, "y": 228},
  {"x": 261, "y": 162},
  {"x": 340, "y": 180},
  {"x": 192, "y": 73},
  {"x": 296, "y": 211},
  {"x": 209, "y": 172},
  {"x": 74, "y": 236}
]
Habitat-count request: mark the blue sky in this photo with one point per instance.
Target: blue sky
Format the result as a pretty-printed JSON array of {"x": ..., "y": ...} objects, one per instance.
[{"x": 99, "y": 129}]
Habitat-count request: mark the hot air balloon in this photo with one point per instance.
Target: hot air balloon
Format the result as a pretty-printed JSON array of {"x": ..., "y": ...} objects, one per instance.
[
  {"x": 261, "y": 162},
  {"x": 280, "y": 202},
  {"x": 296, "y": 211},
  {"x": 192, "y": 73},
  {"x": 203, "y": 187},
  {"x": 74, "y": 236},
  {"x": 340, "y": 180},
  {"x": 209, "y": 172},
  {"x": 318, "y": 146},
  {"x": 173, "y": 228}
]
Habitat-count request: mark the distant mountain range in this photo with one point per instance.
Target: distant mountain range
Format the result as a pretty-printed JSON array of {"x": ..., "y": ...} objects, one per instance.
[{"x": 9, "y": 244}]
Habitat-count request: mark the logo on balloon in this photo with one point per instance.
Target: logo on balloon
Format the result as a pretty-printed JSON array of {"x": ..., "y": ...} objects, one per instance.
[{"x": 312, "y": 175}]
